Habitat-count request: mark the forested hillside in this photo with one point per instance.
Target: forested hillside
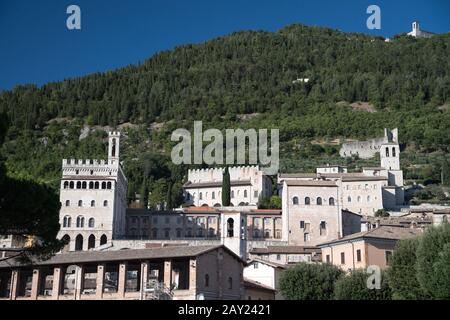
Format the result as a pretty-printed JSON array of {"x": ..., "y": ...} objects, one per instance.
[{"x": 246, "y": 79}]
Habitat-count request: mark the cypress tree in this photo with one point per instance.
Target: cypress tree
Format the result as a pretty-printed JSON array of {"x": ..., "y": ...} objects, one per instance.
[{"x": 226, "y": 188}]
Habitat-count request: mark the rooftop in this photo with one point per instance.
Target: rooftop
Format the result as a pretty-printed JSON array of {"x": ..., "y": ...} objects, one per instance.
[
  {"x": 285, "y": 250},
  {"x": 122, "y": 255},
  {"x": 382, "y": 232}
]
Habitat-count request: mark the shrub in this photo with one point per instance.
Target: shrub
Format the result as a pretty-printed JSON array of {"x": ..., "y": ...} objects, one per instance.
[
  {"x": 354, "y": 287},
  {"x": 403, "y": 272},
  {"x": 433, "y": 259},
  {"x": 308, "y": 281}
]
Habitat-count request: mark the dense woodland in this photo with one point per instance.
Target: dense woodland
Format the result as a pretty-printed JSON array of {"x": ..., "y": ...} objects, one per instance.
[{"x": 247, "y": 80}]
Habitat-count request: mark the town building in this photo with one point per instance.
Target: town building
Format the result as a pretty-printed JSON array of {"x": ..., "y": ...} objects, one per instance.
[
  {"x": 257, "y": 291},
  {"x": 364, "y": 249},
  {"x": 93, "y": 199},
  {"x": 265, "y": 273},
  {"x": 285, "y": 254},
  {"x": 177, "y": 272},
  {"x": 248, "y": 184}
]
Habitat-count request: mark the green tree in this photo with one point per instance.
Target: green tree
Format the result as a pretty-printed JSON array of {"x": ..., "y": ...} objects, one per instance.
[
  {"x": 308, "y": 281},
  {"x": 158, "y": 195},
  {"x": 402, "y": 272},
  {"x": 29, "y": 209},
  {"x": 381, "y": 213},
  {"x": 226, "y": 188},
  {"x": 432, "y": 261},
  {"x": 354, "y": 287}
]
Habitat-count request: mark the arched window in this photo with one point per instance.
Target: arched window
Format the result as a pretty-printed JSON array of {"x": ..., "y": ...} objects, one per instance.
[
  {"x": 307, "y": 201},
  {"x": 245, "y": 193},
  {"x": 230, "y": 227},
  {"x": 65, "y": 222},
  {"x": 79, "y": 243},
  {"x": 69, "y": 222},
  {"x": 103, "y": 185},
  {"x": 105, "y": 203},
  {"x": 108, "y": 185},
  {"x": 80, "y": 222},
  {"x": 93, "y": 203},
  {"x": 331, "y": 201},
  {"x": 79, "y": 185},
  {"x": 349, "y": 199},
  {"x": 67, "y": 203},
  {"x": 71, "y": 185},
  {"x": 80, "y": 203},
  {"x": 66, "y": 239},
  {"x": 103, "y": 239},
  {"x": 387, "y": 152},
  {"x": 319, "y": 201},
  {"x": 96, "y": 185},
  {"x": 200, "y": 196},
  {"x": 295, "y": 200},
  {"x": 91, "y": 242},
  {"x": 66, "y": 184},
  {"x": 91, "y": 185},
  {"x": 213, "y": 195},
  {"x": 393, "y": 152},
  {"x": 91, "y": 223},
  {"x": 84, "y": 185},
  {"x": 230, "y": 283},
  {"x": 206, "y": 280}
]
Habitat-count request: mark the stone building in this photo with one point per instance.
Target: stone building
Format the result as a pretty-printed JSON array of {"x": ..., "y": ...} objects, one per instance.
[
  {"x": 93, "y": 199},
  {"x": 178, "y": 273},
  {"x": 361, "y": 250},
  {"x": 369, "y": 148},
  {"x": 286, "y": 254},
  {"x": 248, "y": 184},
  {"x": 416, "y": 32},
  {"x": 240, "y": 228}
]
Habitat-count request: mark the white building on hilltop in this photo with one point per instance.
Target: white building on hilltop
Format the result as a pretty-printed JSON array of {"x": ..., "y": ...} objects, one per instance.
[
  {"x": 418, "y": 33},
  {"x": 248, "y": 184},
  {"x": 93, "y": 199}
]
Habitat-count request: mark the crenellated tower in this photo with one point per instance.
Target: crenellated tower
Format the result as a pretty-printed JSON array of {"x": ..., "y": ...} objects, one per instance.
[{"x": 93, "y": 199}]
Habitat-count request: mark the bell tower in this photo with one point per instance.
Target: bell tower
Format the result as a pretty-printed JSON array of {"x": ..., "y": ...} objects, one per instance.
[{"x": 113, "y": 147}]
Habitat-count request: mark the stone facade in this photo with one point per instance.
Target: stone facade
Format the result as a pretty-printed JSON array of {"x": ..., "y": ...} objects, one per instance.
[
  {"x": 93, "y": 199},
  {"x": 248, "y": 184},
  {"x": 368, "y": 149}
]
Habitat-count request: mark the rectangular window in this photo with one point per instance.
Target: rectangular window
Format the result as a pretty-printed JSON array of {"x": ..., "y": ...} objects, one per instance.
[
  {"x": 328, "y": 258},
  {"x": 302, "y": 224},
  {"x": 306, "y": 237},
  {"x": 358, "y": 255},
  {"x": 388, "y": 257},
  {"x": 342, "y": 258},
  {"x": 256, "y": 194}
]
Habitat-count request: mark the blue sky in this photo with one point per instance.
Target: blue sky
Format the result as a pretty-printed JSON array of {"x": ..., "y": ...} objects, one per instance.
[{"x": 36, "y": 46}]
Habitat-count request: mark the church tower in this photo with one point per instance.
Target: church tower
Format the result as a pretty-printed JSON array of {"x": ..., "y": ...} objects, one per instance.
[
  {"x": 390, "y": 161},
  {"x": 234, "y": 232}
]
